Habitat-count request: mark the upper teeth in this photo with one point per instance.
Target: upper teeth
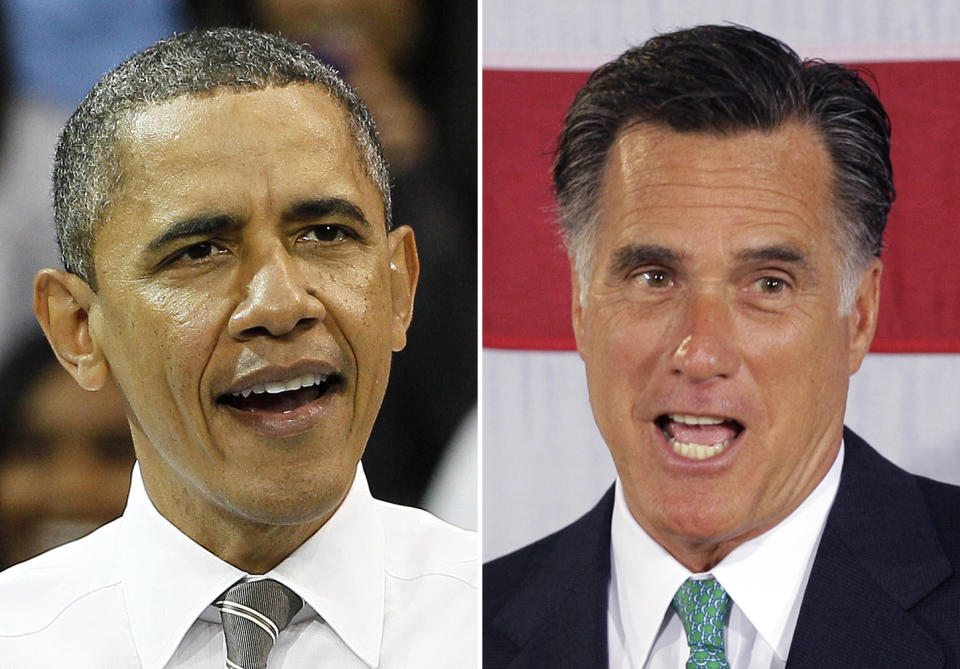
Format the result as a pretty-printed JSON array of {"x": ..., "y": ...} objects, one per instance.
[
  {"x": 273, "y": 387},
  {"x": 690, "y": 419}
]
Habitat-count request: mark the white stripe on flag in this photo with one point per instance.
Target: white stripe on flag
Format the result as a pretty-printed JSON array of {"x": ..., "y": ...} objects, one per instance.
[{"x": 577, "y": 35}]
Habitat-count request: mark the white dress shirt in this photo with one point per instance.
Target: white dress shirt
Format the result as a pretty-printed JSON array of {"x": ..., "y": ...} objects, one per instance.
[
  {"x": 383, "y": 585},
  {"x": 765, "y": 578}
]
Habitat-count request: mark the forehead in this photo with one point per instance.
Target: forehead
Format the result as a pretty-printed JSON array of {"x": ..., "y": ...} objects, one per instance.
[
  {"x": 295, "y": 109},
  {"x": 217, "y": 150},
  {"x": 707, "y": 184}
]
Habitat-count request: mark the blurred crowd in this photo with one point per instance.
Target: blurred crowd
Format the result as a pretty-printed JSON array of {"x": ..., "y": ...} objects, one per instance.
[{"x": 65, "y": 453}]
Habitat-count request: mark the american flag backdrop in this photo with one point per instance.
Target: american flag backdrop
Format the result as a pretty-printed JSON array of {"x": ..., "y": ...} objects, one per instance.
[{"x": 544, "y": 462}]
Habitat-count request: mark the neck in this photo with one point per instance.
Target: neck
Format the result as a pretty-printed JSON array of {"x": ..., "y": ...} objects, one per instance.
[
  {"x": 261, "y": 547},
  {"x": 703, "y": 557},
  {"x": 251, "y": 544}
]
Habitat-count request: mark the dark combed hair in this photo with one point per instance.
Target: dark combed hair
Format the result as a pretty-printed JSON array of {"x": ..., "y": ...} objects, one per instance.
[
  {"x": 728, "y": 79},
  {"x": 88, "y": 170}
]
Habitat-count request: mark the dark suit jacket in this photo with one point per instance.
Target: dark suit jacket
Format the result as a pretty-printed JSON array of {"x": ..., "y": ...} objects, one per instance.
[{"x": 884, "y": 590}]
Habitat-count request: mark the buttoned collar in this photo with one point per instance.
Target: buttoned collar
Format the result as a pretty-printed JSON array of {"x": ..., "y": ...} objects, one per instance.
[
  {"x": 169, "y": 580},
  {"x": 765, "y": 576}
]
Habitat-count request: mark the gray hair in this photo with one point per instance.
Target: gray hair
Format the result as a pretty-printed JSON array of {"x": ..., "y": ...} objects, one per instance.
[
  {"x": 88, "y": 169},
  {"x": 725, "y": 80}
]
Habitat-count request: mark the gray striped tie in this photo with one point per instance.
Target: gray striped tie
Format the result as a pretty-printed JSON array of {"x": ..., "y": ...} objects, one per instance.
[{"x": 253, "y": 614}]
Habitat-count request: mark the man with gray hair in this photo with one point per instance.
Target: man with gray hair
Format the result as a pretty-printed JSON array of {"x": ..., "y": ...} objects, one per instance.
[
  {"x": 723, "y": 205},
  {"x": 223, "y": 214}
]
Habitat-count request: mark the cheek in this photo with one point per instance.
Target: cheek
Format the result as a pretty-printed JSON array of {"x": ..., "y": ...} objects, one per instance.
[
  {"x": 159, "y": 310},
  {"x": 621, "y": 353},
  {"x": 358, "y": 310},
  {"x": 799, "y": 370},
  {"x": 621, "y": 341},
  {"x": 358, "y": 298},
  {"x": 163, "y": 333}
]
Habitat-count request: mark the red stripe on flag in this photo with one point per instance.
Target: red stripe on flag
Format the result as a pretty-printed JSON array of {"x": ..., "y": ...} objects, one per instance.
[{"x": 526, "y": 285}]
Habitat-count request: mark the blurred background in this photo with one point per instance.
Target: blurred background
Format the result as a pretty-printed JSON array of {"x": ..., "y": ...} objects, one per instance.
[{"x": 65, "y": 454}]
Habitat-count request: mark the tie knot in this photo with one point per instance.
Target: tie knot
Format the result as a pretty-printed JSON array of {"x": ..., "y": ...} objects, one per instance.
[
  {"x": 703, "y": 607},
  {"x": 253, "y": 613}
]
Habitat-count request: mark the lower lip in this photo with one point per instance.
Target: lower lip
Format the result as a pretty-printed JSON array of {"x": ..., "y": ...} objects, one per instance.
[
  {"x": 286, "y": 423},
  {"x": 720, "y": 461}
]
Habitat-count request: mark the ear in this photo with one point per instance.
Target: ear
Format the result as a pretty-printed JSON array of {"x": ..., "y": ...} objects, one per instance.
[
  {"x": 863, "y": 317},
  {"x": 576, "y": 305},
  {"x": 62, "y": 304},
  {"x": 404, "y": 273}
]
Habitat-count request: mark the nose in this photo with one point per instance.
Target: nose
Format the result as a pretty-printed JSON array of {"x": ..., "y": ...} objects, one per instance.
[
  {"x": 706, "y": 347},
  {"x": 277, "y": 299}
]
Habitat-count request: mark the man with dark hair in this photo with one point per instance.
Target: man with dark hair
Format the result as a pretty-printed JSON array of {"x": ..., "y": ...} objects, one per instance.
[
  {"x": 723, "y": 206},
  {"x": 223, "y": 213}
]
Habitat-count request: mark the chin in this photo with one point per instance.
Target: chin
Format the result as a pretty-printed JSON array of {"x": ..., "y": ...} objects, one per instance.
[{"x": 703, "y": 523}]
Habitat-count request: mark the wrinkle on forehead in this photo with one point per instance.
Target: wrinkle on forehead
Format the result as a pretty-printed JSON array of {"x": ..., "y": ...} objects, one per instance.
[
  {"x": 293, "y": 113},
  {"x": 657, "y": 167},
  {"x": 727, "y": 192},
  {"x": 163, "y": 121}
]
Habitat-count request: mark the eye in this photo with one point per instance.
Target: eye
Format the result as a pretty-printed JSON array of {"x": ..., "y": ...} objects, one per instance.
[
  {"x": 655, "y": 278},
  {"x": 770, "y": 285},
  {"x": 199, "y": 251},
  {"x": 326, "y": 233}
]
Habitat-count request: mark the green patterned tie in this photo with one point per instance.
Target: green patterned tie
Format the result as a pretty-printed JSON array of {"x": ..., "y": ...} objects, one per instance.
[{"x": 703, "y": 607}]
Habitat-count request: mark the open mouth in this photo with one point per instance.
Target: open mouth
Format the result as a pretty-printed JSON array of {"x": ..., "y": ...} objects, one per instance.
[
  {"x": 698, "y": 437},
  {"x": 282, "y": 396}
]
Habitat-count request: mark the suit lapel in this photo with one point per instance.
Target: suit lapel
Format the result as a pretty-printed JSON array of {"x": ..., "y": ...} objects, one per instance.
[
  {"x": 558, "y": 617},
  {"x": 879, "y": 555}
]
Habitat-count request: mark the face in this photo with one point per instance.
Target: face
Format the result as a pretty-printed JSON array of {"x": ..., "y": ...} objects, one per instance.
[
  {"x": 717, "y": 357},
  {"x": 249, "y": 299}
]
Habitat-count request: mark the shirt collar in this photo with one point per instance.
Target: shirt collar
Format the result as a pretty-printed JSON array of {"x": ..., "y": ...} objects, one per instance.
[
  {"x": 169, "y": 580},
  {"x": 645, "y": 577},
  {"x": 765, "y": 576},
  {"x": 339, "y": 571}
]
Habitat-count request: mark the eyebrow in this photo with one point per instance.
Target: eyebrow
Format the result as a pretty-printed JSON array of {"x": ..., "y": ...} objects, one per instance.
[
  {"x": 633, "y": 255},
  {"x": 773, "y": 253},
  {"x": 192, "y": 227},
  {"x": 320, "y": 208}
]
